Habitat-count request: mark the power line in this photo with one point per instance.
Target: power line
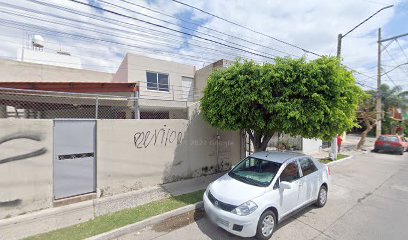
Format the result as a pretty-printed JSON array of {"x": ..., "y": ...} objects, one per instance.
[
  {"x": 105, "y": 40},
  {"x": 402, "y": 64},
  {"x": 247, "y": 28},
  {"x": 32, "y": 26},
  {"x": 128, "y": 25},
  {"x": 183, "y": 27},
  {"x": 82, "y": 56},
  {"x": 390, "y": 79},
  {"x": 402, "y": 50},
  {"x": 102, "y": 9},
  {"x": 96, "y": 31},
  {"x": 198, "y": 25},
  {"x": 29, "y": 27},
  {"x": 171, "y": 29},
  {"x": 359, "y": 83},
  {"x": 393, "y": 59}
]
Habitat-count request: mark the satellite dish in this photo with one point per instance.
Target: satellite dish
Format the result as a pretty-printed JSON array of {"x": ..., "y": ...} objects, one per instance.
[{"x": 38, "y": 41}]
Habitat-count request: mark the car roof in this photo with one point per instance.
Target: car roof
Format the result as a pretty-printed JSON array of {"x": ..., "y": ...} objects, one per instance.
[{"x": 276, "y": 156}]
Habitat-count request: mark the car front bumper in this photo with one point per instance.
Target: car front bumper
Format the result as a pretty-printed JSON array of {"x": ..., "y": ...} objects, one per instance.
[{"x": 227, "y": 220}]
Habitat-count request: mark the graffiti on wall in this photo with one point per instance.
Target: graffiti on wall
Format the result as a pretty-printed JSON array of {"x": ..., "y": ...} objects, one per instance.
[
  {"x": 23, "y": 156},
  {"x": 16, "y": 136},
  {"x": 157, "y": 137}
]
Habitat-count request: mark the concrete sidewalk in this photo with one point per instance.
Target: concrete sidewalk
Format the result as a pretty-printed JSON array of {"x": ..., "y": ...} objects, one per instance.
[
  {"x": 348, "y": 147},
  {"x": 59, "y": 217}
]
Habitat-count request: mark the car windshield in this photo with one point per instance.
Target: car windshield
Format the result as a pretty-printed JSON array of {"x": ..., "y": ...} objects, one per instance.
[
  {"x": 255, "y": 171},
  {"x": 388, "y": 139}
]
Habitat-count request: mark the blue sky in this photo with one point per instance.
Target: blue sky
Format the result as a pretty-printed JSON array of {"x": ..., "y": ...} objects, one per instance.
[{"x": 311, "y": 24}]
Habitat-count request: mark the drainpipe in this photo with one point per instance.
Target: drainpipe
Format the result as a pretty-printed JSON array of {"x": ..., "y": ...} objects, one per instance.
[
  {"x": 136, "y": 104},
  {"x": 96, "y": 107}
]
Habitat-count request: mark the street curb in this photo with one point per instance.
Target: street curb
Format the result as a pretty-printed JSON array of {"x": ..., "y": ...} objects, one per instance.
[
  {"x": 142, "y": 224},
  {"x": 339, "y": 161}
]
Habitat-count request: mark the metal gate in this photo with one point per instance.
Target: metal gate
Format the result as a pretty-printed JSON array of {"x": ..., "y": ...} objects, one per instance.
[{"x": 74, "y": 157}]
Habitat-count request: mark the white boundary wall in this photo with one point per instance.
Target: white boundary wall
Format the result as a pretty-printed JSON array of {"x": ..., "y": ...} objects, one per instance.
[{"x": 131, "y": 154}]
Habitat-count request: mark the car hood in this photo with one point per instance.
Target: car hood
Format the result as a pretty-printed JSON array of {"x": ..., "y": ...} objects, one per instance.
[{"x": 228, "y": 190}]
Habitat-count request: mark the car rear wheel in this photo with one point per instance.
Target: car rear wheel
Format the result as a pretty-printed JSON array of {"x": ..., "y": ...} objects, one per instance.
[
  {"x": 322, "y": 198},
  {"x": 375, "y": 150},
  {"x": 266, "y": 225}
]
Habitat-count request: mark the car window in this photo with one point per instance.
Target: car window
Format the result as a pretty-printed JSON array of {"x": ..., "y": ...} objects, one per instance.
[
  {"x": 307, "y": 166},
  {"x": 388, "y": 139},
  {"x": 290, "y": 173},
  {"x": 255, "y": 171}
]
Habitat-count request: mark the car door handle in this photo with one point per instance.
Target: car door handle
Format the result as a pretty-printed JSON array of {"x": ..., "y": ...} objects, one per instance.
[{"x": 300, "y": 184}]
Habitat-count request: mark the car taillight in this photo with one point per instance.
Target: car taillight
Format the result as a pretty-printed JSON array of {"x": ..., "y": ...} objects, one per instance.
[
  {"x": 395, "y": 144},
  {"x": 379, "y": 143},
  {"x": 328, "y": 171}
]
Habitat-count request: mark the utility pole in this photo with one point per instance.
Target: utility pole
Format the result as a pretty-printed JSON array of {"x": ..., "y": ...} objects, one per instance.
[
  {"x": 378, "y": 102},
  {"x": 378, "y": 106},
  {"x": 333, "y": 150},
  {"x": 339, "y": 37}
]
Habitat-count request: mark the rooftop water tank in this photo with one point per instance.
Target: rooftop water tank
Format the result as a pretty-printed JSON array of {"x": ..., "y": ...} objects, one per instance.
[{"x": 38, "y": 41}]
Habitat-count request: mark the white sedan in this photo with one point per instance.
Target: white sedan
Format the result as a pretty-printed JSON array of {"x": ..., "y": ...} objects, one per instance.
[{"x": 263, "y": 189}]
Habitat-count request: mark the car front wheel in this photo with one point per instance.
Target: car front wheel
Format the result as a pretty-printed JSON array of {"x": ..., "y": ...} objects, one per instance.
[
  {"x": 266, "y": 225},
  {"x": 322, "y": 198}
]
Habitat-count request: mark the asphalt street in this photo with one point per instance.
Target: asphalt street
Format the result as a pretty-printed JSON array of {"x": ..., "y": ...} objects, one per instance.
[{"x": 368, "y": 199}]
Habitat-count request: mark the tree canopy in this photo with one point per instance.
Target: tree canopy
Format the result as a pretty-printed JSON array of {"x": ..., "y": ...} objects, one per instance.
[
  {"x": 392, "y": 98},
  {"x": 315, "y": 99}
]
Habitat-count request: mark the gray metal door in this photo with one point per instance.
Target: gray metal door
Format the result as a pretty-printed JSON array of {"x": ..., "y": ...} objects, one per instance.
[{"x": 74, "y": 157}]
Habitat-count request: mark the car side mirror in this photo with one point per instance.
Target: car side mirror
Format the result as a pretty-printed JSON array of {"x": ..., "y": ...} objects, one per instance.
[{"x": 285, "y": 185}]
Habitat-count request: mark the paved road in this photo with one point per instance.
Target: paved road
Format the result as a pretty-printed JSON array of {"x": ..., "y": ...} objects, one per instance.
[{"x": 368, "y": 199}]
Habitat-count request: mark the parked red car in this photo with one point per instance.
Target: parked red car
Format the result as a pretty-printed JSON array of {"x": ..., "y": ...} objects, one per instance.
[{"x": 391, "y": 143}]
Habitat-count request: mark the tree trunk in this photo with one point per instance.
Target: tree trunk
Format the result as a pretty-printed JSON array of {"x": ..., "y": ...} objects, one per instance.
[
  {"x": 259, "y": 140},
  {"x": 364, "y": 134}
]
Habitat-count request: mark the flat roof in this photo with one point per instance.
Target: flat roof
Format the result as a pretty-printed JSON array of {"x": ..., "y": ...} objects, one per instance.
[{"x": 275, "y": 156}]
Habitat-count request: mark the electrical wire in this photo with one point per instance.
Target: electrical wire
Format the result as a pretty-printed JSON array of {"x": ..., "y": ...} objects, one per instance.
[
  {"x": 388, "y": 76},
  {"x": 161, "y": 34},
  {"x": 398, "y": 66},
  {"x": 105, "y": 33},
  {"x": 247, "y": 28},
  {"x": 119, "y": 13},
  {"x": 207, "y": 28},
  {"x": 183, "y": 27},
  {"x": 171, "y": 29}
]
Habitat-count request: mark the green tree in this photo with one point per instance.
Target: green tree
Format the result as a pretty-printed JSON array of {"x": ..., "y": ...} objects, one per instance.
[
  {"x": 392, "y": 97},
  {"x": 315, "y": 99},
  {"x": 367, "y": 114}
]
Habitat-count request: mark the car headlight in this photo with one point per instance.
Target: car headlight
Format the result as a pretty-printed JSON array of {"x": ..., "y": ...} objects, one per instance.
[{"x": 245, "y": 208}]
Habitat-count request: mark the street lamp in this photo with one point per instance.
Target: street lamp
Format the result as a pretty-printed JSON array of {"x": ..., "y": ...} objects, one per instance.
[{"x": 339, "y": 38}]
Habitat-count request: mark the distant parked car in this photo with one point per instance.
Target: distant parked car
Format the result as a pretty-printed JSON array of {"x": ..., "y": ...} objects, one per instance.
[
  {"x": 263, "y": 189},
  {"x": 391, "y": 143}
]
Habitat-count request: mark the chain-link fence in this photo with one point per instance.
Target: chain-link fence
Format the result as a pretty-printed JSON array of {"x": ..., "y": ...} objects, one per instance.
[{"x": 35, "y": 104}]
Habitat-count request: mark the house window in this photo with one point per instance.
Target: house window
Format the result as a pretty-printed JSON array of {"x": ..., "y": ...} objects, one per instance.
[{"x": 157, "y": 81}]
